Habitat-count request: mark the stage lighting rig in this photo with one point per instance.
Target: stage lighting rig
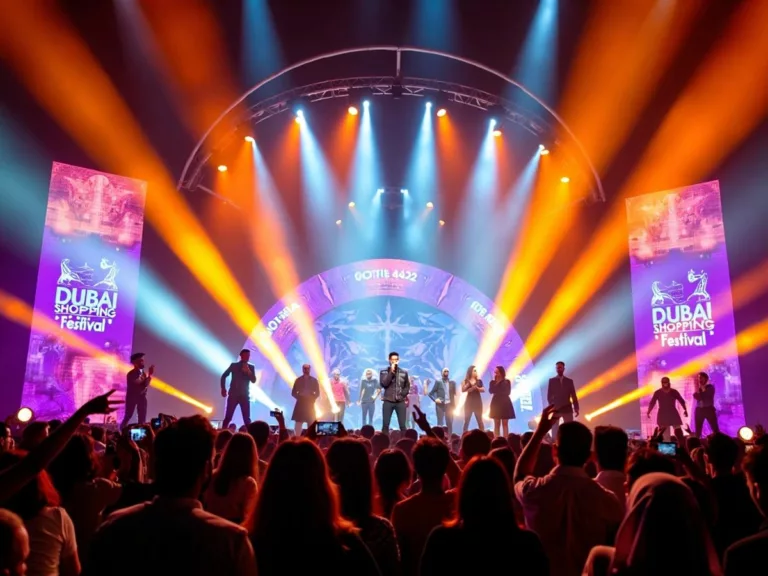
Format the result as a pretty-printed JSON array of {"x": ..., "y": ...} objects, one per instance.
[
  {"x": 397, "y": 89},
  {"x": 441, "y": 104}
]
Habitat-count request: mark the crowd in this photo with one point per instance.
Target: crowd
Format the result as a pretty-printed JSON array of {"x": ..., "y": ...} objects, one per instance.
[{"x": 186, "y": 499}]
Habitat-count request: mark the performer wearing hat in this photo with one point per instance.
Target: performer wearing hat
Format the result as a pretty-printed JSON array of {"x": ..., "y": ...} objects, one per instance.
[{"x": 137, "y": 382}]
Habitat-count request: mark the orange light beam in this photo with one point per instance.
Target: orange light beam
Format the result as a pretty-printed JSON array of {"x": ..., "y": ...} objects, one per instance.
[
  {"x": 708, "y": 120},
  {"x": 20, "y": 312},
  {"x": 66, "y": 79},
  {"x": 269, "y": 244},
  {"x": 747, "y": 341}
]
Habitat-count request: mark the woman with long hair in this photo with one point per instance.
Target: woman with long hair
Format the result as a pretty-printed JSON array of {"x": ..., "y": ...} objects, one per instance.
[
  {"x": 483, "y": 535},
  {"x": 83, "y": 495},
  {"x": 657, "y": 501},
  {"x": 394, "y": 475},
  {"x": 472, "y": 386},
  {"x": 297, "y": 527},
  {"x": 233, "y": 488},
  {"x": 502, "y": 410},
  {"x": 52, "y": 543},
  {"x": 351, "y": 471}
]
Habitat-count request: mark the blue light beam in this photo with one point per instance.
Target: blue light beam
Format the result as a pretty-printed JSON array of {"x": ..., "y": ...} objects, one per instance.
[{"x": 537, "y": 61}]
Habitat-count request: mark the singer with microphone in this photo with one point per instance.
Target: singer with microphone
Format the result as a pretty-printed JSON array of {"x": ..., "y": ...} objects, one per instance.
[
  {"x": 137, "y": 383},
  {"x": 395, "y": 387},
  {"x": 243, "y": 373}
]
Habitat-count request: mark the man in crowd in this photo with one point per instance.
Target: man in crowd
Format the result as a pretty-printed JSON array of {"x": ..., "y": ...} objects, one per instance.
[
  {"x": 611, "y": 451},
  {"x": 396, "y": 385},
  {"x": 743, "y": 557},
  {"x": 243, "y": 374},
  {"x": 705, "y": 405},
  {"x": 569, "y": 511},
  {"x": 172, "y": 534},
  {"x": 14, "y": 544},
  {"x": 306, "y": 390}
]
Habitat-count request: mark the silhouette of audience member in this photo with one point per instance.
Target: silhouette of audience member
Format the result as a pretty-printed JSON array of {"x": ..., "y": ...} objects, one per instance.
[
  {"x": 483, "y": 535},
  {"x": 744, "y": 556},
  {"x": 646, "y": 461},
  {"x": 297, "y": 526},
  {"x": 172, "y": 534},
  {"x": 260, "y": 432},
  {"x": 379, "y": 443},
  {"x": 657, "y": 502},
  {"x": 474, "y": 443},
  {"x": 569, "y": 511},
  {"x": 83, "y": 495},
  {"x": 506, "y": 457},
  {"x": 611, "y": 452},
  {"x": 393, "y": 478},
  {"x": 415, "y": 517},
  {"x": 351, "y": 471},
  {"x": 737, "y": 516},
  {"x": 232, "y": 491},
  {"x": 14, "y": 544},
  {"x": 52, "y": 541}
]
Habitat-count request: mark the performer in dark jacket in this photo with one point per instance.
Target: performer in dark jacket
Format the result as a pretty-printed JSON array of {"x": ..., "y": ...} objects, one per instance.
[
  {"x": 395, "y": 387},
  {"x": 668, "y": 416},
  {"x": 561, "y": 394},
  {"x": 243, "y": 374},
  {"x": 443, "y": 394},
  {"x": 705, "y": 405},
  {"x": 501, "y": 404},
  {"x": 137, "y": 383},
  {"x": 306, "y": 390}
]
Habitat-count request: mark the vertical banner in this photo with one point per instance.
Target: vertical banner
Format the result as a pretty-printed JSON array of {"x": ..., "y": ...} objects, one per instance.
[
  {"x": 681, "y": 294},
  {"x": 86, "y": 289}
]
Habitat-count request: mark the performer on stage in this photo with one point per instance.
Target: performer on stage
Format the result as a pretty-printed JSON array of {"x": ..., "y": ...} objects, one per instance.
[
  {"x": 305, "y": 389},
  {"x": 501, "y": 404},
  {"x": 668, "y": 416},
  {"x": 414, "y": 399},
  {"x": 443, "y": 394},
  {"x": 369, "y": 391},
  {"x": 243, "y": 374},
  {"x": 472, "y": 387},
  {"x": 705, "y": 405},
  {"x": 395, "y": 385},
  {"x": 561, "y": 394},
  {"x": 137, "y": 383},
  {"x": 340, "y": 390}
]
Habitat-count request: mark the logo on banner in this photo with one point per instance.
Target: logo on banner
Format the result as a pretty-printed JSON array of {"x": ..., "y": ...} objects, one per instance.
[
  {"x": 681, "y": 320},
  {"x": 86, "y": 301}
]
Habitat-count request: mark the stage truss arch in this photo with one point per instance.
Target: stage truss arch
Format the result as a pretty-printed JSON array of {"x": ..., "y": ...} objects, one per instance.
[{"x": 238, "y": 119}]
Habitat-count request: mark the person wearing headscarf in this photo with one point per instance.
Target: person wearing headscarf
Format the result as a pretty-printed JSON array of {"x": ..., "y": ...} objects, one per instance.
[{"x": 657, "y": 502}]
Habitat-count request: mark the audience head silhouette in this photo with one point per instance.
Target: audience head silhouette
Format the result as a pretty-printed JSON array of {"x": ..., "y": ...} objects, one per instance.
[{"x": 184, "y": 457}]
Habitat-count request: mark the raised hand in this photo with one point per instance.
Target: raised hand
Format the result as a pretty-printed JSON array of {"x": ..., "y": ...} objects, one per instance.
[
  {"x": 421, "y": 419},
  {"x": 101, "y": 404},
  {"x": 151, "y": 370},
  {"x": 548, "y": 419}
]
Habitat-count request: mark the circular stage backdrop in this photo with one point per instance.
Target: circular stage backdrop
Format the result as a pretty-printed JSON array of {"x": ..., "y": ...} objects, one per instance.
[{"x": 363, "y": 311}]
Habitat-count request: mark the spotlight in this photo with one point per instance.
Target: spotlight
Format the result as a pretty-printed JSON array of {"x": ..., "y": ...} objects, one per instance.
[
  {"x": 543, "y": 150},
  {"x": 404, "y": 191},
  {"x": 746, "y": 433},
  {"x": 380, "y": 191},
  {"x": 222, "y": 168},
  {"x": 366, "y": 103},
  {"x": 352, "y": 110},
  {"x": 442, "y": 222},
  {"x": 338, "y": 222},
  {"x": 299, "y": 116},
  {"x": 441, "y": 112},
  {"x": 497, "y": 133},
  {"x": 249, "y": 139},
  {"x": 429, "y": 105},
  {"x": 493, "y": 123},
  {"x": 24, "y": 415},
  {"x": 351, "y": 204},
  {"x": 565, "y": 179},
  {"x": 430, "y": 205}
]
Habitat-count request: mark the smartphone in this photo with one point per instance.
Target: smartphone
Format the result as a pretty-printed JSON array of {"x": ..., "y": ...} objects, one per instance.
[
  {"x": 156, "y": 423},
  {"x": 327, "y": 428},
  {"x": 216, "y": 424},
  {"x": 138, "y": 434},
  {"x": 274, "y": 413},
  {"x": 668, "y": 448}
]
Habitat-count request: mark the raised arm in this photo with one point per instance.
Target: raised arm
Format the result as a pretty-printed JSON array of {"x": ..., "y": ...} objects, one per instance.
[
  {"x": 385, "y": 378},
  {"x": 527, "y": 461},
  {"x": 251, "y": 373}
]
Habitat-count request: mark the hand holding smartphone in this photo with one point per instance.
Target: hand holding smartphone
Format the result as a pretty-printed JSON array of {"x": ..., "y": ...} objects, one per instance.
[
  {"x": 668, "y": 448},
  {"x": 328, "y": 428}
]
